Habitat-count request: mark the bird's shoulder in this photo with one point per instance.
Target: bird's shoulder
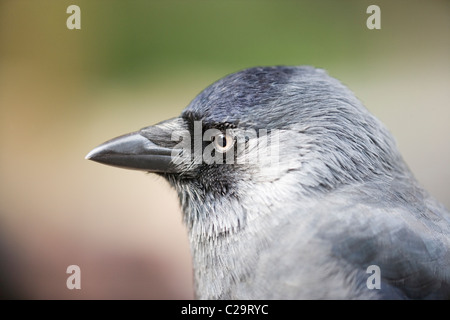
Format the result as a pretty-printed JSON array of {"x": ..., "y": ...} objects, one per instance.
[{"x": 395, "y": 226}]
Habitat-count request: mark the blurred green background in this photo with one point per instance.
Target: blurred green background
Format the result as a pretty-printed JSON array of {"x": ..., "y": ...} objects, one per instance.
[{"x": 134, "y": 63}]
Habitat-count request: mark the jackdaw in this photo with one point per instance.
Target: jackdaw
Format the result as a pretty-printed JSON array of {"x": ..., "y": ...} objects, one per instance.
[{"x": 291, "y": 189}]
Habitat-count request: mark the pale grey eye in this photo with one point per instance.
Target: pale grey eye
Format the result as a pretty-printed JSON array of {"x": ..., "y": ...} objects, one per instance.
[{"x": 223, "y": 142}]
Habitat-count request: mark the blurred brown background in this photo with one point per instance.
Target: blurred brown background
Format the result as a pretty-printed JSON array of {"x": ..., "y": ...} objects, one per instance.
[{"x": 134, "y": 63}]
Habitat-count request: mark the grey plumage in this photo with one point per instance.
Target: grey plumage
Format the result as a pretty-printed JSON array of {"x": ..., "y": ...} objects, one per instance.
[{"x": 338, "y": 199}]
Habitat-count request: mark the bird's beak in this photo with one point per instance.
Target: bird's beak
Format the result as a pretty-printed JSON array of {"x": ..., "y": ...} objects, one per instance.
[{"x": 137, "y": 151}]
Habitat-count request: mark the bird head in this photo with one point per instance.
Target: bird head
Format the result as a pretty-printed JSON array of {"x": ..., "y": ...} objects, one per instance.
[{"x": 263, "y": 135}]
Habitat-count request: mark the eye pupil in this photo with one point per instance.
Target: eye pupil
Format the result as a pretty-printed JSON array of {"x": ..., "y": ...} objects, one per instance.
[{"x": 223, "y": 142}]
